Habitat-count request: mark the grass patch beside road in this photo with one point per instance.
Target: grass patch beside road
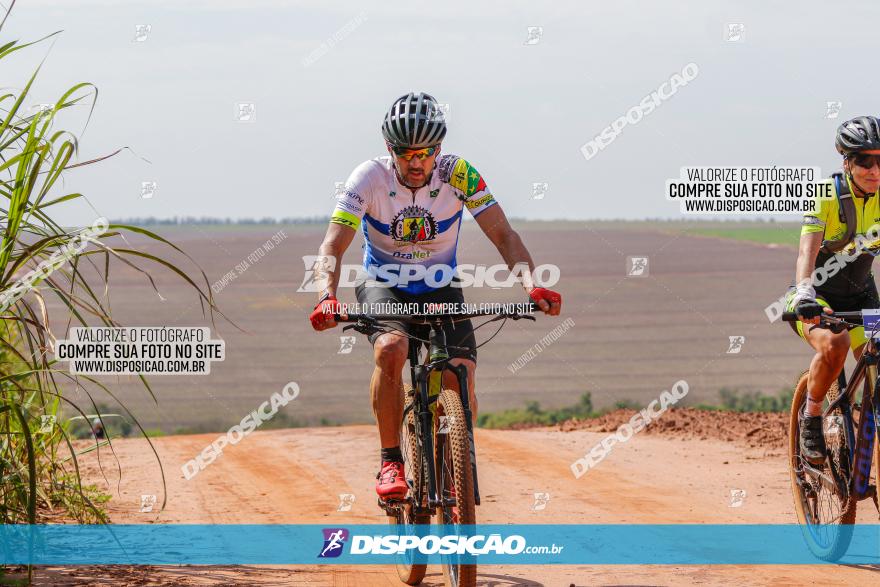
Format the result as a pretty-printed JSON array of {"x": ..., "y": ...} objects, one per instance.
[
  {"x": 765, "y": 232},
  {"x": 732, "y": 400},
  {"x": 534, "y": 415},
  {"x": 772, "y": 234}
]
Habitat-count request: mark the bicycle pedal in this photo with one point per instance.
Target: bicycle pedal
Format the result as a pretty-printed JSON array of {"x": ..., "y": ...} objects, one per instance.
[{"x": 392, "y": 503}]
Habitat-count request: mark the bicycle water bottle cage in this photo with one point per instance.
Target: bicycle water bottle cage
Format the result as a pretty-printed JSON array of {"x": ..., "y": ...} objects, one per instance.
[{"x": 846, "y": 210}]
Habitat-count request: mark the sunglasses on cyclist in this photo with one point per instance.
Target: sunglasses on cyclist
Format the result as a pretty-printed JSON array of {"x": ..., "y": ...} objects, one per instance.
[
  {"x": 866, "y": 161},
  {"x": 408, "y": 154}
]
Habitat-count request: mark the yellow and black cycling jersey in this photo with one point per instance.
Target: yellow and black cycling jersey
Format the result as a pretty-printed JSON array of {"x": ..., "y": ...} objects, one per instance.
[{"x": 854, "y": 277}]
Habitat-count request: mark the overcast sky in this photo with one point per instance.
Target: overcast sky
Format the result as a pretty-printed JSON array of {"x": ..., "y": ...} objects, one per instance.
[{"x": 519, "y": 112}]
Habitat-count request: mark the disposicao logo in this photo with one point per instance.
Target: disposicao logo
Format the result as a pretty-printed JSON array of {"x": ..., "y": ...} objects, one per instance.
[{"x": 334, "y": 540}]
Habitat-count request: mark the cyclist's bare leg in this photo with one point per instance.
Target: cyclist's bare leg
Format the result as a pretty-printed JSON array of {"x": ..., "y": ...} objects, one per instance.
[
  {"x": 830, "y": 356},
  {"x": 450, "y": 381},
  {"x": 386, "y": 386}
]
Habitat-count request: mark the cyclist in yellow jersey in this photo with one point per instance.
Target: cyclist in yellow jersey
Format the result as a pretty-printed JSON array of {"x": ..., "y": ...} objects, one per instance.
[{"x": 850, "y": 285}]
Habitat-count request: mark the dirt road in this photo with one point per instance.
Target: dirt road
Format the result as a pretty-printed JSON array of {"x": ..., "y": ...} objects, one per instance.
[{"x": 297, "y": 476}]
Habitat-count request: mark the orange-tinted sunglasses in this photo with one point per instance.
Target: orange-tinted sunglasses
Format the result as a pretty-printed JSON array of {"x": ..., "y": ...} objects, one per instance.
[{"x": 408, "y": 154}]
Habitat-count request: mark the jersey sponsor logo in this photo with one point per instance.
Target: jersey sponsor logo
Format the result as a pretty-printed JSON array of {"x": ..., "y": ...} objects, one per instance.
[
  {"x": 437, "y": 191},
  {"x": 349, "y": 206},
  {"x": 352, "y": 196},
  {"x": 413, "y": 224},
  {"x": 812, "y": 220},
  {"x": 345, "y": 218},
  {"x": 445, "y": 164},
  {"x": 466, "y": 179},
  {"x": 480, "y": 202},
  {"x": 413, "y": 256},
  {"x": 344, "y": 222}
]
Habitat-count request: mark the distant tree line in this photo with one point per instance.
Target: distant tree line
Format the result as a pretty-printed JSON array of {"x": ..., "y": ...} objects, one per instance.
[{"x": 189, "y": 220}]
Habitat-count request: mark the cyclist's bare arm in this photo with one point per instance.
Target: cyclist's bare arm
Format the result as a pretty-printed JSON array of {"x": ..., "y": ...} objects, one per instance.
[
  {"x": 495, "y": 226},
  {"x": 808, "y": 250},
  {"x": 336, "y": 242}
]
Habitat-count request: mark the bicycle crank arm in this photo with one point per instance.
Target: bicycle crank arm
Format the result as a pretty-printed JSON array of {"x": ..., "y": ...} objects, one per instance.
[{"x": 826, "y": 481}]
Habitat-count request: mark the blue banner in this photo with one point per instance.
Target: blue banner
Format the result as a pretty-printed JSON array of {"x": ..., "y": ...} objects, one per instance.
[{"x": 616, "y": 544}]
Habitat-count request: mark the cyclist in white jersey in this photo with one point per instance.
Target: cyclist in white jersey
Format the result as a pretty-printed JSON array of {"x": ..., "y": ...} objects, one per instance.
[{"x": 409, "y": 206}]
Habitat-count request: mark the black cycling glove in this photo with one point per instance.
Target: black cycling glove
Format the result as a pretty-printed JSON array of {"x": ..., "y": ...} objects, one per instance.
[{"x": 808, "y": 309}]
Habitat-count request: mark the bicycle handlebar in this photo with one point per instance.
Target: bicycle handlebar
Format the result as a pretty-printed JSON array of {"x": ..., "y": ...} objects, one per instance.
[
  {"x": 372, "y": 323},
  {"x": 429, "y": 318},
  {"x": 793, "y": 317}
]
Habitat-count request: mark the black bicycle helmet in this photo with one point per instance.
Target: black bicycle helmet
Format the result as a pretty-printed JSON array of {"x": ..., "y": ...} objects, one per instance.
[
  {"x": 415, "y": 121},
  {"x": 858, "y": 134}
]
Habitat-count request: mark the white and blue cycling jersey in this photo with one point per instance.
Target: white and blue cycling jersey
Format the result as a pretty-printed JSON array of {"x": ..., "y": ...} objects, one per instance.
[{"x": 405, "y": 228}]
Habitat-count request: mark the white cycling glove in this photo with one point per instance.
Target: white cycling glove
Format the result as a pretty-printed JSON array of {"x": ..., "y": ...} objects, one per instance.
[{"x": 803, "y": 291}]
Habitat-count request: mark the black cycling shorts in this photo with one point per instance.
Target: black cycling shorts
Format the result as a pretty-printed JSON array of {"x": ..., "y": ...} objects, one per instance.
[
  {"x": 865, "y": 300},
  {"x": 459, "y": 334}
]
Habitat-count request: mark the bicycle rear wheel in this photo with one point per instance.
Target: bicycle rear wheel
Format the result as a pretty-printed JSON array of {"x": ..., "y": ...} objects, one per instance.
[
  {"x": 409, "y": 568},
  {"x": 822, "y": 502},
  {"x": 455, "y": 483}
]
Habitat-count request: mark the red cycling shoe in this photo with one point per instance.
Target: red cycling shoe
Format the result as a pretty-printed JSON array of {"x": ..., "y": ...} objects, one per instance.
[{"x": 391, "y": 481}]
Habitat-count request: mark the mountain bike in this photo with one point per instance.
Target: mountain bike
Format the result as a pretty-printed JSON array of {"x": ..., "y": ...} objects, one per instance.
[
  {"x": 825, "y": 496},
  {"x": 436, "y": 438}
]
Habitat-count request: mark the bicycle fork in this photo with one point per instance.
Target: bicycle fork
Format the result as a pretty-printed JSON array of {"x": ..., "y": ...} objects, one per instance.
[
  {"x": 426, "y": 421},
  {"x": 461, "y": 373},
  {"x": 422, "y": 376}
]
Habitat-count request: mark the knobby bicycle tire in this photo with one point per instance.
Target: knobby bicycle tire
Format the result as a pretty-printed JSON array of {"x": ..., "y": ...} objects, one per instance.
[
  {"x": 409, "y": 569},
  {"x": 840, "y": 531},
  {"x": 454, "y": 459}
]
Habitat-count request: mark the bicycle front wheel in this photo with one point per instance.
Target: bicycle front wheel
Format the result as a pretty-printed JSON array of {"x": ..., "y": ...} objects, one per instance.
[
  {"x": 822, "y": 502},
  {"x": 455, "y": 482}
]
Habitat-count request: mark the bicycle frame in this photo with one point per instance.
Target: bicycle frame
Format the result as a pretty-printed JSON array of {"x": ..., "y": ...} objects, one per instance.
[
  {"x": 861, "y": 446},
  {"x": 427, "y": 382}
]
